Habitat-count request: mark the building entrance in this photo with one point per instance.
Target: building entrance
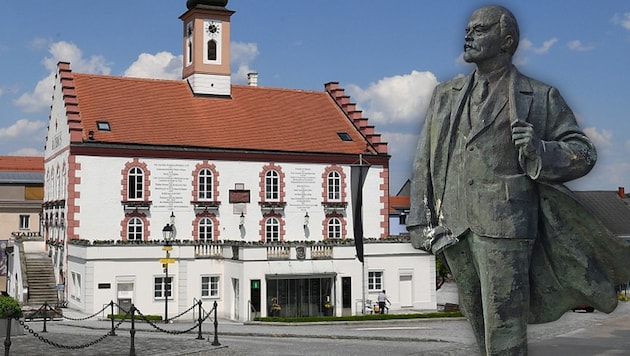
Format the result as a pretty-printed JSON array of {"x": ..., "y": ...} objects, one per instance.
[{"x": 300, "y": 296}]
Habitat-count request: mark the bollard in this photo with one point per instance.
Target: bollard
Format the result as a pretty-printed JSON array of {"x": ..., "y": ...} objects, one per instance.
[
  {"x": 45, "y": 316},
  {"x": 199, "y": 336},
  {"x": 132, "y": 332},
  {"x": 7, "y": 340},
  {"x": 216, "y": 327},
  {"x": 113, "y": 332}
]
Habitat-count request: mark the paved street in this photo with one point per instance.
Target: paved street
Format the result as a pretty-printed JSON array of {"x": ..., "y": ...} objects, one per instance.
[{"x": 577, "y": 334}]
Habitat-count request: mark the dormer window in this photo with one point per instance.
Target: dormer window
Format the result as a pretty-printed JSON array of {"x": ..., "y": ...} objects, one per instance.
[
  {"x": 344, "y": 136},
  {"x": 103, "y": 126}
]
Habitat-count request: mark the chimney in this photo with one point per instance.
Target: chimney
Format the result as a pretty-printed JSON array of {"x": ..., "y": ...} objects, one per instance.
[
  {"x": 622, "y": 192},
  {"x": 252, "y": 79}
]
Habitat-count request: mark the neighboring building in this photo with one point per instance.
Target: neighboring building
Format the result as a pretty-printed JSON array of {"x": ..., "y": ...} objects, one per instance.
[
  {"x": 611, "y": 207},
  {"x": 254, "y": 182},
  {"x": 21, "y": 195},
  {"x": 399, "y": 210}
]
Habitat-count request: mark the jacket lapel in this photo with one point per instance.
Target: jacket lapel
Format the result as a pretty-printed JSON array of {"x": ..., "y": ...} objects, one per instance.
[{"x": 520, "y": 95}]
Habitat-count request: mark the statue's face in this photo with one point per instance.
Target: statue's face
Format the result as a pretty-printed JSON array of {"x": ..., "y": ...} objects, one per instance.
[{"x": 483, "y": 38}]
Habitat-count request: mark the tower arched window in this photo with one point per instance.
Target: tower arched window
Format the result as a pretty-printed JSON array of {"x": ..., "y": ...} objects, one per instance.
[
  {"x": 135, "y": 229},
  {"x": 212, "y": 50},
  {"x": 206, "y": 183},
  {"x": 135, "y": 187},
  {"x": 272, "y": 229},
  {"x": 205, "y": 230}
]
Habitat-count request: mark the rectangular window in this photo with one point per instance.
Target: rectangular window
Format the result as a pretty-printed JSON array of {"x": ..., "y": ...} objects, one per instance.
[
  {"x": 75, "y": 293},
  {"x": 210, "y": 286},
  {"x": 160, "y": 287},
  {"x": 375, "y": 280},
  {"x": 25, "y": 222}
]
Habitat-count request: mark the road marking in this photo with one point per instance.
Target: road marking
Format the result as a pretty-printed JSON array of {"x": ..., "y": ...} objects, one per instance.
[{"x": 394, "y": 328}]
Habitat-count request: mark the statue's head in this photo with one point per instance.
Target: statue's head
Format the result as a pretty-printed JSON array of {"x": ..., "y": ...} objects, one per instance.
[{"x": 492, "y": 32}]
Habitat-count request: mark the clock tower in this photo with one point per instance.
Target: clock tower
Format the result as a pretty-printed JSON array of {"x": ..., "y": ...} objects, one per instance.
[{"x": 206, "y": 40}]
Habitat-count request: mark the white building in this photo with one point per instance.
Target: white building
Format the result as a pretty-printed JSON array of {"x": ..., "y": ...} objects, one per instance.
[{"x": 255, "y": 183}]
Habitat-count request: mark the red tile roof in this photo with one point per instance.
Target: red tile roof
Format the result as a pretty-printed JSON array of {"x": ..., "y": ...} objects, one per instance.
[
  {"x": 165, "y": 112},
  {"x": 21, "y": 164},
  {"x": 398, "y": 203}
]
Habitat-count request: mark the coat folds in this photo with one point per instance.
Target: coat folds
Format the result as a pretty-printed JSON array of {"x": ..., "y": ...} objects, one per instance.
[{"x": 576, "y": 260}]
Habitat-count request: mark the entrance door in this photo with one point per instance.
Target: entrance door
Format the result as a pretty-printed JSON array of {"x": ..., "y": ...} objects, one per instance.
[
  {"x": 254, "y": 292},
  {"x": 346, "y": 296},
  {"x": 406, "y": 290},
  {"x": 124, "y": 296}
]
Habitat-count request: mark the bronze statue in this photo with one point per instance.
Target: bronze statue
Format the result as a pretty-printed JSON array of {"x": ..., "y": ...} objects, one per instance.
[{"x": 495, "y": 148}]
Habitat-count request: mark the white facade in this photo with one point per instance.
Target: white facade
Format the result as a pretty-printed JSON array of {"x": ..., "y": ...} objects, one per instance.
[
  {"x": 106, "y": 266},
  {"x": 96, "y": 273}
]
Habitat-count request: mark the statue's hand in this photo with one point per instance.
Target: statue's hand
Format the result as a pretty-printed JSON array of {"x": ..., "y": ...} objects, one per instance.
[
  {"x": 432, "y": 239},
  {"x": 525, "y": 139},
  {"x": 419, "y": 238}
]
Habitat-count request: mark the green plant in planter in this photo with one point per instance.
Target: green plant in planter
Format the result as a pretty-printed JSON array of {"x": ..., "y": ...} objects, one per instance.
[{"x": 9, "y": 306}]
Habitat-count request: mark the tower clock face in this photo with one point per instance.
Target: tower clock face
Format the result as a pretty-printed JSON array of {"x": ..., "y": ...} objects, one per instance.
[{"x": 213, "y": 28}]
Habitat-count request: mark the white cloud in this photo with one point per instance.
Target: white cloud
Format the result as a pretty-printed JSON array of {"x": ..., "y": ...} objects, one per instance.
[
  {"x": 162, "y": 65},
  {"x": 546, "y": 46},
  {"x": 602, "y": 140},
  {"x": 40, "y": 99},
  {"x": 402, "y": 148},
  {"x": 577, "y": 45},
  {"x": 21, "y": 128},
  {"x": 32, "y": 152},
  {"x": 397, "y": 99},
  {"x": 622, "y": 20},
  {"x": 242, "y": 56}
]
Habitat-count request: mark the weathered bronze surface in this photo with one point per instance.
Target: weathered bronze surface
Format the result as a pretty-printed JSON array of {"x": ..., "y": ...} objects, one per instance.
[{"x": 487, "y": 193}]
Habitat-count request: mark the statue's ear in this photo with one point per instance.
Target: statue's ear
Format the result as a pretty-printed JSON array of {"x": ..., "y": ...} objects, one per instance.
[{"x": 508, "y": 42}]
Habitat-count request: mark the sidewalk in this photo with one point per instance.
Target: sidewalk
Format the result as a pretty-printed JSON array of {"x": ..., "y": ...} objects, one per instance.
[{"x": 65, "y": 336}]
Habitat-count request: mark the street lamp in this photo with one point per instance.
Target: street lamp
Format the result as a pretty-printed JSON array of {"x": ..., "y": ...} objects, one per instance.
[{"x": 167, "y": 232}]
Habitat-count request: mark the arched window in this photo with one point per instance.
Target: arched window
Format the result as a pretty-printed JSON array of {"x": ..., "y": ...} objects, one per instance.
[
  {"x": 334, "y": 228},
  {"x": 272, "y": 185},
  {"x": 212, "y": 50},
  {"x": 272, "y": 229},
  {"x": 334, "y": 186},
  {"x": 205, "y": 184},
  {"x": 205, "y": 230},
  {"x": 190, "y": 52},
  {"x": 135, "y": 187},
  {"x": 135, "y": 229}
]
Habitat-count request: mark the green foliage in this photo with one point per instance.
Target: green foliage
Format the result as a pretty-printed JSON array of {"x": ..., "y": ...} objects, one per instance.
[
  {"x": 441, "y": 267},
  {"x": 361, "y": 317},
  {"x": 136, "y": 317},
  {"x": 622, "y": 297},
  {"x": 9, "y": 306}
]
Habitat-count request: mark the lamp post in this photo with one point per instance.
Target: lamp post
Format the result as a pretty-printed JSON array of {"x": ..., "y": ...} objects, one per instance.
[{"x": 167, "y": 232}]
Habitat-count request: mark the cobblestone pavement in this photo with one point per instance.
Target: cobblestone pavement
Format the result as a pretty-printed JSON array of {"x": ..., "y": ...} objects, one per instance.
[{"x": 575, "y": 333}]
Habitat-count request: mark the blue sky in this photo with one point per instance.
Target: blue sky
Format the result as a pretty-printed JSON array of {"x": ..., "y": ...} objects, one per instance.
[{"x": 388, "y": 55}]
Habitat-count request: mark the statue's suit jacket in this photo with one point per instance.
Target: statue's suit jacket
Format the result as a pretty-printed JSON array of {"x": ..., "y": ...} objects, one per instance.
[{"x": 496, "y": 191}]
